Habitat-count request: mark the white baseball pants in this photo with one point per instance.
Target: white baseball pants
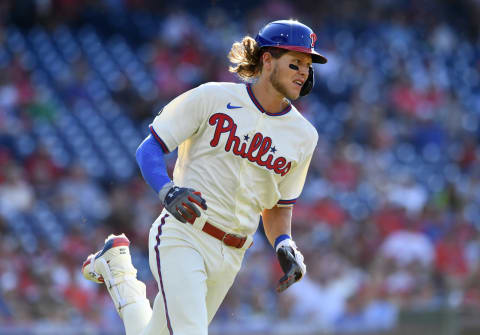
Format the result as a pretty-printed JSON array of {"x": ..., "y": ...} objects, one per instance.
[{"x": 194, "y": 272}]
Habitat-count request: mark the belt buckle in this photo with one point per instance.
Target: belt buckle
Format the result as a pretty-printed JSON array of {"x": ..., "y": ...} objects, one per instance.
[{"x": 238, "y": 245}]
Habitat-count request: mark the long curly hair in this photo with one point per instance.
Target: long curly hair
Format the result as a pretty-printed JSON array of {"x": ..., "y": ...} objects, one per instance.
[{"x": 247, "y": 57}]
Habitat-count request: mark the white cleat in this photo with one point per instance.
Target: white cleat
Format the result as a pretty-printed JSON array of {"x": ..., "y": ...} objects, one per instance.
[
  {"x": 113, "y": 266},
  {"x": 112, "y": 261},
  {"x": 88, "y": 271}
]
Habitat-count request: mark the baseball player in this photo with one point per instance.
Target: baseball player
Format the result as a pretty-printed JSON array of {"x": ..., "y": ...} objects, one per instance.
[{"x": 243, "y": 151}]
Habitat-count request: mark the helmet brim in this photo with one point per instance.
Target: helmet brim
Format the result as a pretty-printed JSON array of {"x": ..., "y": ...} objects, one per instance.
[{"x": 316, "y": 57}]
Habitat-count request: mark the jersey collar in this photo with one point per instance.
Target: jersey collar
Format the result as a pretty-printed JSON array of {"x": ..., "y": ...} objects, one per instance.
[{"x": 260, "y": 108}]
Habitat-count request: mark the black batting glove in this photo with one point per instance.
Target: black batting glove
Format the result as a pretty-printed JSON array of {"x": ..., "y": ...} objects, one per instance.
[
  {"x": 184, "y": 203},
  {"x": 291, "y": 262}
]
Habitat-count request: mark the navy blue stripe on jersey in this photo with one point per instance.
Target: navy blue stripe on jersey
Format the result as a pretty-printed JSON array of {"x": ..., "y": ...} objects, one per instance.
[
  {"x": 260, "y": 108},
  {"x": 164, "y": 146},
  {"x": 150, "y": 159},
  {"x": 287, "y": 202},
  {"x": 160, "y": 279}
]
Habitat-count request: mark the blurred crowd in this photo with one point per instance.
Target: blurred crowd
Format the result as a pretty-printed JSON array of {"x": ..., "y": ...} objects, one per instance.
[{"x": 389, "y": 219}]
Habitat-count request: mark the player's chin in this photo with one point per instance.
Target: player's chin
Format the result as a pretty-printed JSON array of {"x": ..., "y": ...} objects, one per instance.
[{"x": 294, "y": 93}]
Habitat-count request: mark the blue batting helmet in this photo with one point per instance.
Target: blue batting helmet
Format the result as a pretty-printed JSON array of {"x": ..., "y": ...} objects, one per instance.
[{"x": 291, "y": 35}]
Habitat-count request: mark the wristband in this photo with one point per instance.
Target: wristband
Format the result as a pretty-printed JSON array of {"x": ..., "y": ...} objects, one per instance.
[{"x": 279, "y": 239}]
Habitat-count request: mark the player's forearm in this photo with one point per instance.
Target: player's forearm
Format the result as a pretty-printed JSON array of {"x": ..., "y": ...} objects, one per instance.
[
  {"x": 150, "y": 159},
  {"x": 276, "y": 222}
]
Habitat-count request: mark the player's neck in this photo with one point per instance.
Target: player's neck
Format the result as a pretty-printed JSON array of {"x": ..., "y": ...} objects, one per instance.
[{"x": 270, "y": 99}]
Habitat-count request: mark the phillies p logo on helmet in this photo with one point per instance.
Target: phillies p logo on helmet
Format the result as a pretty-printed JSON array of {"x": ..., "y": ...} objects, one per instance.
[{"x": 313, "y": 37}]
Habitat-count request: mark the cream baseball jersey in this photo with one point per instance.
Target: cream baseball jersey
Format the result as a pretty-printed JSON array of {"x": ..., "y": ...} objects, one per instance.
[{"x": 240, "y": 157}]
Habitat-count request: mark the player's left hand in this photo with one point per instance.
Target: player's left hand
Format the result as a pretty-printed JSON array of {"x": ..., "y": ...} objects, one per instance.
[{"x": 291, "y": 261}]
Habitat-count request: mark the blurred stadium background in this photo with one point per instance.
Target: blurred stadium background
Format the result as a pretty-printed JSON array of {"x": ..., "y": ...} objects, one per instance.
[{"x": 389, "y": 218}]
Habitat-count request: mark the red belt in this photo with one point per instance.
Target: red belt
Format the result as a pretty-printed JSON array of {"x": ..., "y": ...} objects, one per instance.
[{"x": 232, "y": 240}]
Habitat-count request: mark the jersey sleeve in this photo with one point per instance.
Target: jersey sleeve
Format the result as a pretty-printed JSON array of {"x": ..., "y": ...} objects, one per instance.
[
  {"x": 292, "y": 185},
  {"x": 179, "y": 119}
]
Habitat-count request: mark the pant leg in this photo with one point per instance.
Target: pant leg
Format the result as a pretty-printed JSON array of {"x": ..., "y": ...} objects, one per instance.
[
  {"x": 221, "y": 279},
  {"x": 136, "y": 317},
  {"x": 217, "y": 292},
  {"x": 180, "y": 306}
]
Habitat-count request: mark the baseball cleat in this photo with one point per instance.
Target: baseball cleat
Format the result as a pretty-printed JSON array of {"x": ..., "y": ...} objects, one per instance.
[
  {"x": 112, "y": 261},
  {"x": 88, "y": 271}
]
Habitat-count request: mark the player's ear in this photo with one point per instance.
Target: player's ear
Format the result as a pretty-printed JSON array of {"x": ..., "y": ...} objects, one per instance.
[{"x": 267, "y": 60}]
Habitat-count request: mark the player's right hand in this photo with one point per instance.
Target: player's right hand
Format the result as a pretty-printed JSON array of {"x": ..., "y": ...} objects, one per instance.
[{"x": 184, "y": 203}]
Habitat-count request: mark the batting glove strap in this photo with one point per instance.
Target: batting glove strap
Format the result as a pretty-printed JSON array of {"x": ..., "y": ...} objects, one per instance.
[
  {"x": 183, "y": 203},
  {"x": 284, "y": 241},
  {"x": 164, "y": 190},
  {"x": 280, "y": 239}
]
